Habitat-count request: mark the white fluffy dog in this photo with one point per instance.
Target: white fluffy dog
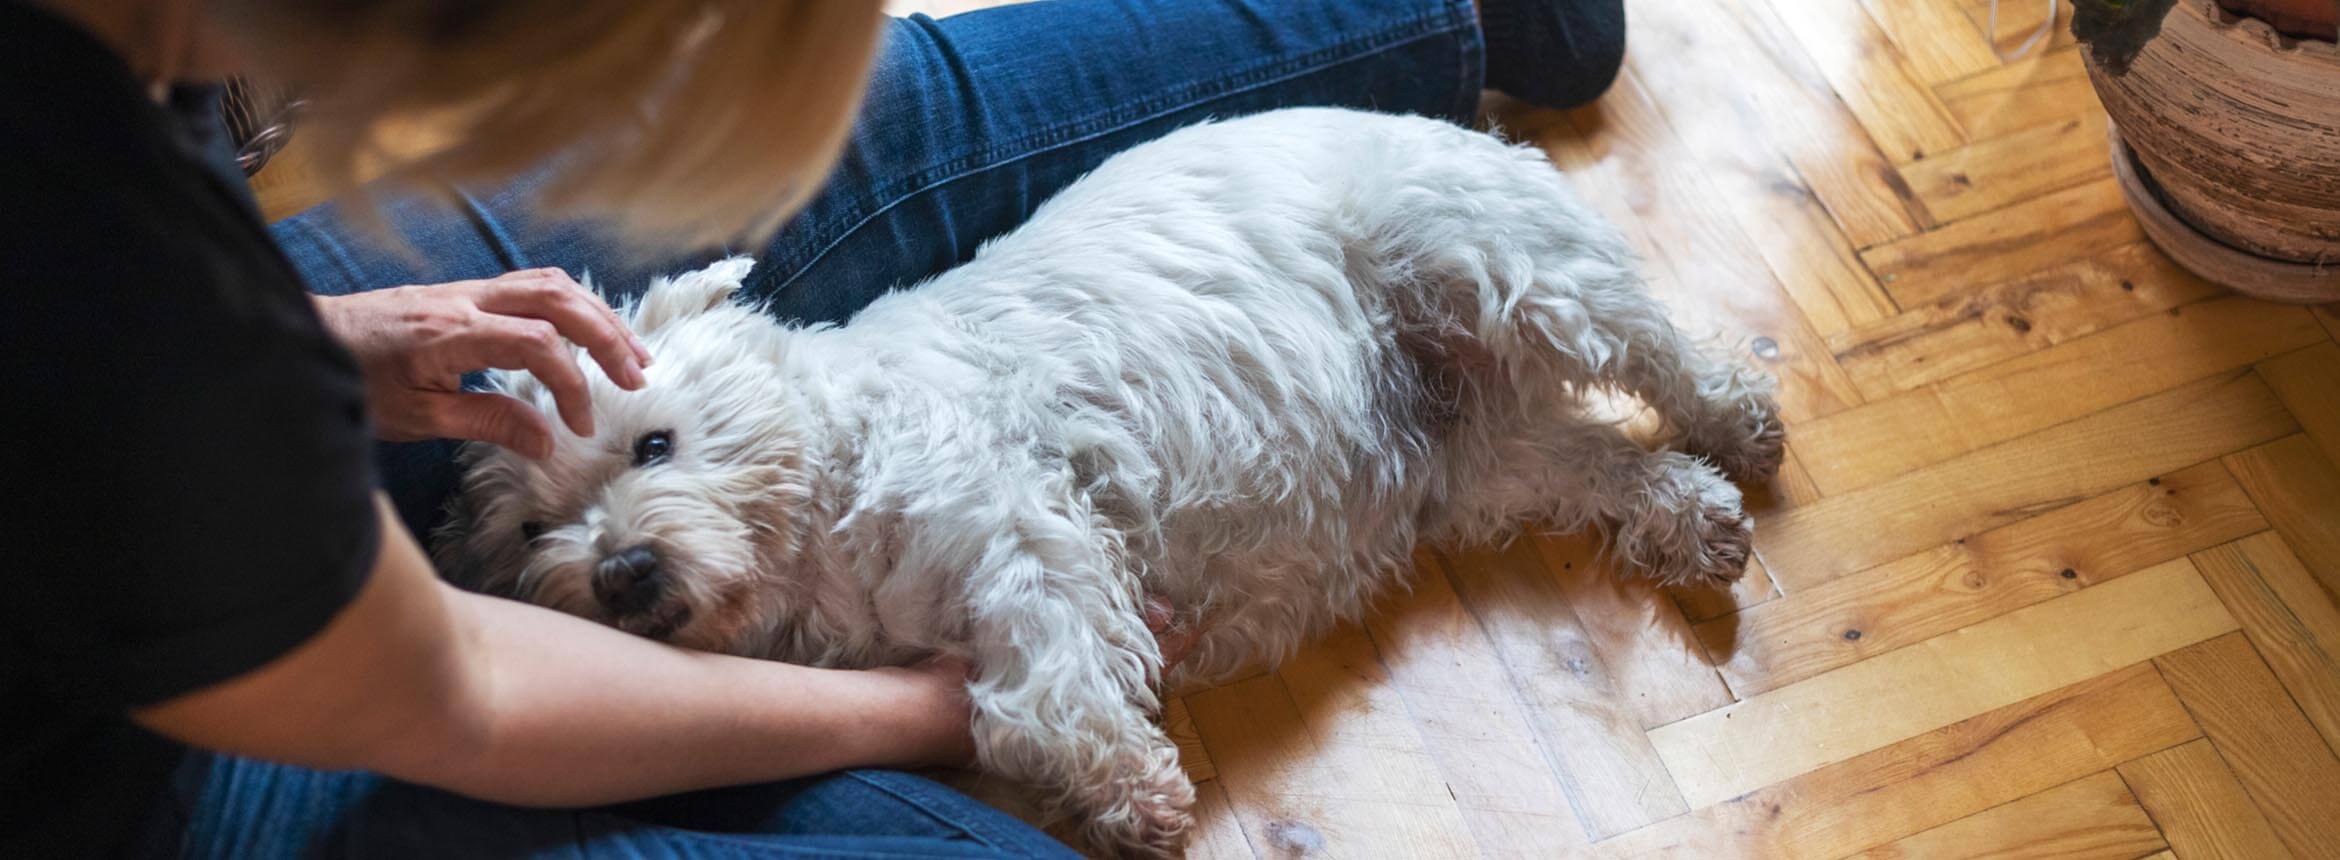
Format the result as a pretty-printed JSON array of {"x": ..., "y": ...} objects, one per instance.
[{"x": 1245, "y": 367}]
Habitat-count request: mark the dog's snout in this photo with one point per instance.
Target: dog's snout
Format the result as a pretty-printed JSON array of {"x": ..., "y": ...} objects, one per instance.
[{"x": 627, "y": 581}]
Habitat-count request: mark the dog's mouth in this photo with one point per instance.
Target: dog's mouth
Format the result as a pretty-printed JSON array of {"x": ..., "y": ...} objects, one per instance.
[{"x": 659, "y": 621}]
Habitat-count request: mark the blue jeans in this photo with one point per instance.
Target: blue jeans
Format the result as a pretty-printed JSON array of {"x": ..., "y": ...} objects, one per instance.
[
  {"x": 970, "y": 123},
  {"x": 234, "y": 809}
]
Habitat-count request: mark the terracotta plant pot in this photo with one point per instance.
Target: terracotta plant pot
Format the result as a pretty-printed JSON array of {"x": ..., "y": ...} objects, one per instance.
[{"x": 2235, "y": 129}]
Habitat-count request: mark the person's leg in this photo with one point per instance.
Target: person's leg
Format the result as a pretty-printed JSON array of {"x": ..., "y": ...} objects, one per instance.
[
  {"x": 973, "y": 120},
  {"x": 241, "y": 808}
]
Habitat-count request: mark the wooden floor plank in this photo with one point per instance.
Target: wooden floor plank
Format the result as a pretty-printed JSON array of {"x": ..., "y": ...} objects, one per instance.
[
  {"x": 1998, "y": 172},
  {"x": 1868, "y": 73},
  {"x": 1693, "y": 253},
  {"x": 1611, "y": 775},
  {"x": 2016, "y": 22},
  {"x": 2008, "y": 482},
  {"x": 1217, "y": 835},
  {"x": 2291, "y": 620},
  {"x": 1191, "y": 754},
  {"x": 2299, "y": 491},
  {"x": 1876, "y": 442},
  {"x": 1935, "y": 37},
  {"x": 1774, "y": 209},
  {"x": 1321, "y": 754},
  {"x": 2091, "y": 817},
  {"x": 1703, "y": 604},
  {"x": 2308, "y": 381},
  {"x": 1932, "y": 779},
  {"x": 2045, "y": 231},
  {"x": 1965, "y": 332},
  {"x": 2291, "y": 775},
  {"x": 2034, "y": 91},
  {"x": 1734, "y": 65},
  {"x": 1638, "y": 632},
  {"x": 2200, "y": 807},
  {"x": 1851, "y": 618},
  {"x": 1462, "y": 698},
  {"x": 1867, "y": 705}
]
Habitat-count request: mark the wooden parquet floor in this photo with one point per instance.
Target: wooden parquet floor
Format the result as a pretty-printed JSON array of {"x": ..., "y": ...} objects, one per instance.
[{"x": 2054, "y": 569}]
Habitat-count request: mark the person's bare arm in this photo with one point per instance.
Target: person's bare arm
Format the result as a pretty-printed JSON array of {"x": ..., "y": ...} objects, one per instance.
[{"x": 517, "y": 704}]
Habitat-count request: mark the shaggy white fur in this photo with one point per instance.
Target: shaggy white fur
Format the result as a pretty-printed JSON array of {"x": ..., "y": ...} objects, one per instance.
[{"x": 1245, "y": 367}]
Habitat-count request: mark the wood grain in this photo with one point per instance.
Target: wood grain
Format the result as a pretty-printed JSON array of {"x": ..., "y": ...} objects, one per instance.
[
  {"x": 1318, "y": 754},
  {"x": 1638, "y": 633},
  {"x": 1460, "y": 695},
  {"x": 1864, "y": 68},
  {"x": 2003, "y": 171},
  {"x": 1191, "y": 754},
  {"x": 1935, "y": 778},
  {"x": 1692, "y": 262},
  {"x": 2199, "y": 806},
  {"x": 1217, "y": 835},
  {"x": 1842, "y": 621},
  {"x": 1886, "y": 438},
  {"x": 2092, "y": 817},
  {"x": 1775, "y": 735},
  {"x": 2290, "y": 774},
  {"x": 1610, "y": 773},
  {"x": 1975, "y": 329},
  {"x": 2290, "y": 618},
  {"x": 1934, "y": 37},
  {"x": 2008, "y": 482},
  {"x": 1772, "y": 206},
  {"x": 2038, "y": 233},
  {"x": 2299, "y": 491},
  {"x": 2034, "y": 91},
  {"x": 1736, "y": 66},
  {"x": 2308, "y": 382}
]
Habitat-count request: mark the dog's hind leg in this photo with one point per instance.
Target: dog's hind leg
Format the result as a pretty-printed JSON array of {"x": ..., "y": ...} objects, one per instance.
[
  {"x": 1554, "y": 297},
  {"x": 1669, "y": 515},
  {"x": 1063, "y": 684}
]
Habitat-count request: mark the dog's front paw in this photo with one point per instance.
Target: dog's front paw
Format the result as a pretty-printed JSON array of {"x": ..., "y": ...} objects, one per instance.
[{"x": 1695, "y": 532}]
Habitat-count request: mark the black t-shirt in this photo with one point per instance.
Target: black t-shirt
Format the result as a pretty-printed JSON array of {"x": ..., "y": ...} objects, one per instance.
[{"x": 186, "y": 459}]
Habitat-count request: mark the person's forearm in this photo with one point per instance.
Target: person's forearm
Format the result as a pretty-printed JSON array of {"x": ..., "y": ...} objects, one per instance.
[{"x": 564, "y": 712}]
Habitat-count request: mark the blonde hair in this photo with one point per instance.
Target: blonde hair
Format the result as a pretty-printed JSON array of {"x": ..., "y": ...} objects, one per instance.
[{"x": 682, "y": 122}]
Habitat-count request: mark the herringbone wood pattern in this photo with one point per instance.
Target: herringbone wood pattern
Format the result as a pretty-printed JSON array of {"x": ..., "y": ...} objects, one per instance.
[{"x": 2054, "y": 569}]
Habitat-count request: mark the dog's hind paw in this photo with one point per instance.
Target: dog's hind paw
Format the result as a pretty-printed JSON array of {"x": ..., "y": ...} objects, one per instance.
[{"x": 1695, "y": 532}]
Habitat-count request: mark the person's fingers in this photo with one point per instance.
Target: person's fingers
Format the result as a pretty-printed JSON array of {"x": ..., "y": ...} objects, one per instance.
[
  {"x": 493, "y": 418},
  {"x": 511, "y": 343},
  {"x": 549, "y": 295}
]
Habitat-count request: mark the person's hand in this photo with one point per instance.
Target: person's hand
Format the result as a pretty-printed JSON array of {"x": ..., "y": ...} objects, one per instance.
[
  {"x": 415, "y": 343},
  {"x": 930, "y": 697}
]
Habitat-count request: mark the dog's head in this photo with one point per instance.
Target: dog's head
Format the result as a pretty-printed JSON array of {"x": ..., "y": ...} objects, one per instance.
[{"x": 670, "y": 521}]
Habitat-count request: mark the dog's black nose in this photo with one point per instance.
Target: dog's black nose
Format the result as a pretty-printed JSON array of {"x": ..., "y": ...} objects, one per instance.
[{"x": 627, "y": 581}]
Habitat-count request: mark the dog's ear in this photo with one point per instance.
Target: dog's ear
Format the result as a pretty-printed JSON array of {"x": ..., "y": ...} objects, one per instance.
[{"x": 689, "y": 294}]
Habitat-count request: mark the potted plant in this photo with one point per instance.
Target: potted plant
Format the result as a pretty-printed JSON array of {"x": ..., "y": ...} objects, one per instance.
[{"x": 2226, "y": 134}]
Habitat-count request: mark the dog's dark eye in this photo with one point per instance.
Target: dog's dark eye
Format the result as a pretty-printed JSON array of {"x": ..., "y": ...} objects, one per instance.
[
  {"x": 653, "y": 447},
  {"x": 531, "y": 531}
]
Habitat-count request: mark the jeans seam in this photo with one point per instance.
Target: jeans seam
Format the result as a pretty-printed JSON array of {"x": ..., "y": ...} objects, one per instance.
[
  {"x": 1089, "y": 129},
  {"x": 974, "y": 830}
]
